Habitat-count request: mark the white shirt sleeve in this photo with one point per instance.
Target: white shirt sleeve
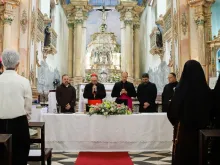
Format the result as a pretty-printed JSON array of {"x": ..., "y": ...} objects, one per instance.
[{"x": 28, "y": 99}]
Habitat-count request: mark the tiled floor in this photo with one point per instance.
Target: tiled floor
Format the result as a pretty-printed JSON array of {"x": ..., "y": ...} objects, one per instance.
[{"x": 144, "y": 158}]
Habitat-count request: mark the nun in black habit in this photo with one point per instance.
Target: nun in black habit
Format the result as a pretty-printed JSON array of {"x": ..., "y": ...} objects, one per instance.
[
  {"x": 189, "y": 112},
  {"x": 216, "y": 123}
]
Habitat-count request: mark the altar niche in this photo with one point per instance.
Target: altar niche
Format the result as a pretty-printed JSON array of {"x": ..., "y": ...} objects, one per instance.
[{"x": 103, "y": 54}]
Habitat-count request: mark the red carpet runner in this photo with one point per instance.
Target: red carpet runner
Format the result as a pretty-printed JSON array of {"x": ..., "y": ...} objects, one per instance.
[{"x": 103, "y": 158}]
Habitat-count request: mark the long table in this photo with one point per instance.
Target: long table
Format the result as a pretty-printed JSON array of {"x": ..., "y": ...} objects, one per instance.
[{"x": 80, "y": 132}]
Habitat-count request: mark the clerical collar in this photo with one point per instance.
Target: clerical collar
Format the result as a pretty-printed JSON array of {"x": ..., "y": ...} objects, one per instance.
[{"x": 66, "y": 85}]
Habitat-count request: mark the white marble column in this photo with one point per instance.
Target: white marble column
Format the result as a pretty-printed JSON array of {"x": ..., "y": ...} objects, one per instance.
[
  {"x": 77, "y": 12},
  {"x": 7, "y": 32},
  {"x": 123, "y": 46},
  {"x": 70, "y": 50},
  {"x": 128, "y": 39},
  {"x": 203, "y": 21},
  {"x": 84, "y": 49},
  {"x": 7, "y": 19},
  {"x": 130, "y": 12},
  {"x": 78, "y": 31},
  {"x": 136, "y": 51}
]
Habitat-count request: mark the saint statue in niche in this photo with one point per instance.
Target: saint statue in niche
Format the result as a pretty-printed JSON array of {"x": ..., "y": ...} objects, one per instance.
[
  {"x": 47, "y": 36},
  {"x": 159, "y": 37}
]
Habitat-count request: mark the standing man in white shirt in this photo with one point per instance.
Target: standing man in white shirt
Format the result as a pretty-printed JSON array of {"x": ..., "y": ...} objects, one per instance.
[{"x": 15, "y": 107}]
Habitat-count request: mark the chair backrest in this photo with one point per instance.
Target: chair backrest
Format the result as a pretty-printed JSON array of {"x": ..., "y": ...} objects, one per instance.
[
  {"x": 6, "y": 140},
  {"x": 40, "y": 140}
]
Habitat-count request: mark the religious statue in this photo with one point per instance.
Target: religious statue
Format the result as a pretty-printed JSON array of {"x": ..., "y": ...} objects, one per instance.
[
  {"x": 104, "y": 15},
  {"x": 159, "y": 39},
  {"x": 47, "y": 36}
]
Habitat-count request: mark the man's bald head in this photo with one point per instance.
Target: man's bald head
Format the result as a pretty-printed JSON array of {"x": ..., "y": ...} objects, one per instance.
[{"x": 124, "y": 76}]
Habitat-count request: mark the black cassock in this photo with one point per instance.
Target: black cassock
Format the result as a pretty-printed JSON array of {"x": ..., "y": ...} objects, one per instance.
[
  {"x": 66, "y": 95},
  {"x": 167, "y": 95},
  {"x": 100, "y": 93},
  {"x": 128, "y": 86},
  {"x": 147, "y": 93},
  {"x": 193, "y": 115}
]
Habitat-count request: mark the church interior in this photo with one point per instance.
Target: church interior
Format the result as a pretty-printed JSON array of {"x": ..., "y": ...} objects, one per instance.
[{"x": 108, "y": 37}]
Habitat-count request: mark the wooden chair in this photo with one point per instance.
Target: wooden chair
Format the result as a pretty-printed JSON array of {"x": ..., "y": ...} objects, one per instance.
[
  {"x": 43, "y": 154},
  {"x": 6, "y": 141},
  {"x": 204, "y": 135}
]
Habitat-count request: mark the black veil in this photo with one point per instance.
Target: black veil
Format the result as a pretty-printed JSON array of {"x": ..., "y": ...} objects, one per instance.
[
  {"x": 192, "y": 99},
  {"x": 216, "y": 108}
]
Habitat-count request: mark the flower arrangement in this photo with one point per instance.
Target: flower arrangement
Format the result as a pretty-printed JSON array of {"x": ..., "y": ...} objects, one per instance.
[{"x": 109, "y": 108}]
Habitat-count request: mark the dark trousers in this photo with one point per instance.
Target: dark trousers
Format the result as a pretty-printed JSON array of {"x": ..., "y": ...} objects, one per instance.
[{"x": 19, "y": 129}]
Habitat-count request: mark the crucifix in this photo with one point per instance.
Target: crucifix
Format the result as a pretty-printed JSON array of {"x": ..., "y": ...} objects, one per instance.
[{"x": 104, "y": 14}]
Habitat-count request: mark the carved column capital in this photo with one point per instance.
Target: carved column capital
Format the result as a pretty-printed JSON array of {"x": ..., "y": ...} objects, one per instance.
[
  {"x": 136, "y": 25},
  {"x": 78, "y": 21},
  {"x": 7, "y": 19},
  {"x": 196, "y": 3},
  {"x": 70, "y": 21},
  {"x": 130, "y": 12},
  {"x": 70, "y": 24},
  {"x": 202, "y": 10},
  {"x": 200, "y": 20},
  {"x": 128, "y": 22},
  {"x": 77, "y": 11}
]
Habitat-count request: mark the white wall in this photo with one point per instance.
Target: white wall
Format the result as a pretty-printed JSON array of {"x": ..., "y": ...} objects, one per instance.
[
  {"x": 60, "y": 60},
  {"x": 44, "y": 6},
  {"x": 157, "y": 69},
  {"x": 161, "y": 7},
  {"x": 147, "y": 24}
]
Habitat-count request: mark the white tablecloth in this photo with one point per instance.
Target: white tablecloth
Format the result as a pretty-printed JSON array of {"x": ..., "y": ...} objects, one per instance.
[
  {"x": 79, "y": 132},
  {"x": 52, "y": 102},
  {"x": 36, "y": 113}
]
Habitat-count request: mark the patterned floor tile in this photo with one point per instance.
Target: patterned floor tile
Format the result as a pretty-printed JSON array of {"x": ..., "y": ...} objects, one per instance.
[
  {"x": 167, "y": 159},
  {"x": 140, "y": 158},
  {"x": 56, "y": 163},
  {"x": 67, "y": 160},
  {"x": 153, "y": 155},
  {"x": 157, "y": 162},
  {"x": 61, "y": 156}
]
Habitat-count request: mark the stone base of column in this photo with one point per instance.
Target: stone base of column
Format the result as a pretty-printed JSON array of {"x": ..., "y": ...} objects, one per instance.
[{"x": 77, "y": 80}]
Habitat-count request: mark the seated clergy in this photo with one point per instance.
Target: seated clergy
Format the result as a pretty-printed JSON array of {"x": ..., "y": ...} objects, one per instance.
[
  {"x": 66, "y": 95},
  {"x": 94, "y": 92},
  {"x": 147, "y": 94},
  {"x": 124, "y": 90}
]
